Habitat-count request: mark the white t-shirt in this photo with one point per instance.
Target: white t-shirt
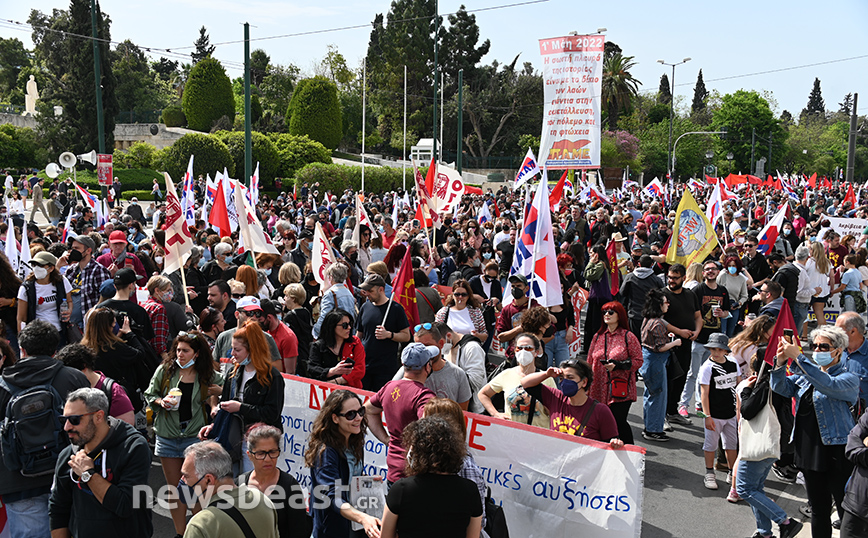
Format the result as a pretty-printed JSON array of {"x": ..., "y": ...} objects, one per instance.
[
  {"x": 459, "y": 321},
  {"x": 45, "y": 300}
]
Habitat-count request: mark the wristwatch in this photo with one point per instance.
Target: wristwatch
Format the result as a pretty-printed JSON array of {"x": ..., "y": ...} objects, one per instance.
[{"x": 87, "y": 475}]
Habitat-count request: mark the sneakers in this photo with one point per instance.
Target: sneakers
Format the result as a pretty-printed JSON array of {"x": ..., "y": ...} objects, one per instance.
[
  {"x": 678, "y": 419},
  {"x": 733, "y": 496},
  {"x": 710, "y": 481},
  {"x": 786, "y": 474},
  {"x": 682, "y": 410},
  {"x": 729, "y": 478},
  {"x": 791, "y": 529},
  {"x": 654, "y": 436},
  {"x": 666, "y": 426}
]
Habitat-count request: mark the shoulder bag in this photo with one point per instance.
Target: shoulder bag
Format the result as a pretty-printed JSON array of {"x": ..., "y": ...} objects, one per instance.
[{"x": 760, "y": 437}]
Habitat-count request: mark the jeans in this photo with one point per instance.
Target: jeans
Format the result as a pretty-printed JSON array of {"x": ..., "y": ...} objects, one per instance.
[
  {"x": 728, "y": 325},
  {"x": 698, "y": 355},
  {"x": 28, "y": 518},
  {"x": 557, "y": 349},
  {"x": 749, "y": 482},
  {"x": 800, "y": 314},
  {"x": 653, "y": 372}
]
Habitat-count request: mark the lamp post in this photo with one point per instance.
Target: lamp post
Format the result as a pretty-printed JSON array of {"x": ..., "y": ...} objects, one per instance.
[
  {"x": 710, "y": 155},
  {"x": 671, "y": 157},
  {"x": 730, "y": 157}
]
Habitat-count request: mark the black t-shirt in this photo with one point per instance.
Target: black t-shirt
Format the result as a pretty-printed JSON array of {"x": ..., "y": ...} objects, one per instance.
[
  {"x": 434, "y": 505},
  {"x": 682, "y": 308},
  {"x": 140, "y": 322},
  {"x": 380, "y": 355},
  {"x": 708, "y": 300},
  {"x": 758, "y": 267},
  {"x": 721, "y": 388},
  {"x": 507, "y": 251}
]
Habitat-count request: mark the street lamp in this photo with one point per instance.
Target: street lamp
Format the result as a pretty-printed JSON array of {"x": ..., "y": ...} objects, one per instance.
[
  {"x": 709, "y": 155},
  {"x": 599, "y": 31},
  {"x": 671, "y": 165},
  {"x": 730, "y": 157}
]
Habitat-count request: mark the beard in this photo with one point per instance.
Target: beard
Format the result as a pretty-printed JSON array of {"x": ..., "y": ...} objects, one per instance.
[
  {"x": 84, "y": 436},
  {"x": 675, "y": 287}
]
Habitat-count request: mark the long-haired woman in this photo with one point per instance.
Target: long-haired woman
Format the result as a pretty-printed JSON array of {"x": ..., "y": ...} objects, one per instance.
[
  {"x": 338, "y": 355},
  {"x": 247, "y": 276},
  {"x": 336, "y": 453},
  {"x": 179, "y": 395},
  {"x": 820, "y": 275},
  {"x": 597, "y": 275},
  {"x": 253, "y": 388}
]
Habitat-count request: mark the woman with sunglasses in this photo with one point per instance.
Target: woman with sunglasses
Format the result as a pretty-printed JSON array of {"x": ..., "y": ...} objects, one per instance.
[
  {"x": 462, "y": 312},
  {"x": 615, "y": 356},
  {"x": 179, "y": 395},
  {"x": 263, "y": 449},
  {"x": 338, "y": 355},
  {"x": 335, "y": 453}
]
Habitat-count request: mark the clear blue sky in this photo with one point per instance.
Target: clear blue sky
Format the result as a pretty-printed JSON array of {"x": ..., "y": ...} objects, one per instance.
[{"x": 724, "y": 39}]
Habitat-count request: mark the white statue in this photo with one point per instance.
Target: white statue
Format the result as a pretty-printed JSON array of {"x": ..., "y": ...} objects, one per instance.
[{"x": 30, "y": 97}]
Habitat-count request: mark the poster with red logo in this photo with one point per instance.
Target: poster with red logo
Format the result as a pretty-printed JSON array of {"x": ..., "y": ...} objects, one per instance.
[
  {"x": 572, "y": 79},
  {"x": 104, "y": 170}
]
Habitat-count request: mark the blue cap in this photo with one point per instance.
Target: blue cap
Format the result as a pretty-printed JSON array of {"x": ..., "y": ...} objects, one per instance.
[
  {"x": 107, "y": 289},
  {"x": 416, "y": 355}
]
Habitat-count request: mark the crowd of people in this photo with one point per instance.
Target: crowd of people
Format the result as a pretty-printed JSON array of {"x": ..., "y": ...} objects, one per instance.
[{"x": 189, "y": 367}]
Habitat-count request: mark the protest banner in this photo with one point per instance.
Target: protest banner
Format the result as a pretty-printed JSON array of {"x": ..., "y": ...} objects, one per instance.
[
  {"x": 104, "y": 171},
  {"x": 549, "y": 484},
  {"x": 572, "y": 78},
  {"x": 844, "y": 226}
]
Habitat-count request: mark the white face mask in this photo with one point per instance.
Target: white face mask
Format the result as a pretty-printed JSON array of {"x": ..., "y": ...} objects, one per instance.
[
  {"x": 524, "y": 357},
  {"x": 40, "y": 272},
  {"x": 447, "y": 348},
  {"x": 158, "y": 260}
]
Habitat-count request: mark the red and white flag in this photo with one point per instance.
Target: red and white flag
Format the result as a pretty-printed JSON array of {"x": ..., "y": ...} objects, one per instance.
[
  {"x": 250, "y": 231},
  {"x": 528, "y": 169},
  {"x": 321, "y": 255},
  {"x": 179, "y": 241}
]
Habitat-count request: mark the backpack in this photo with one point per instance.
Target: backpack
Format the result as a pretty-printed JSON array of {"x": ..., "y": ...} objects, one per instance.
[
  {"x": 495, "y": 524},
  {"x": 32, "y": 434}
]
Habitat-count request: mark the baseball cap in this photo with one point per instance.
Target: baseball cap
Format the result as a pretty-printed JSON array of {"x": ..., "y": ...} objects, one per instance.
[
  {"x": 305, "y": 234},
  {"x": 518, "y": 279},
  {"x": 269, "y": 307},
  {"x": 415, "y": 356},
  {"x": 372, "y": 281},
  {"x": 44, "y": 258},
  {"x": 248, "y": 303},
  {"x": 85, "y": 240},
  {"x": 124, "y": 277},
  {"x": 117, "y": 237},
  {"x": 107, "y": 289}
]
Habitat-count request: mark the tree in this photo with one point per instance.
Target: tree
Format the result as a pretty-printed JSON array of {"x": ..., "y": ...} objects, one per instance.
[
  {"x": 139, "y": 89},
  {"x": 264, "y": 152},
  {"x": 203, "y": 45},
  {"x": 295, "y": 152},
  {"x": 700, "y": 94},
  {"x": 166, "y": 69},
  {"x": 334, "y": 67},
  {"x": 846, "y": 105},
  {"x": 664, "y": 94},
  {"x": 13, "y": 58},
  {"x": 258, "y": 66},
  {"x": 211, "y": 155},
  {"x": 315, "y": 110},
  {"x": 610, "y": 48},
  {"x": 740, "y": 113},
  {"x": 458, "y": 48},
  {"x": 207, "y": 95},
  {"x": 62, "y": 55},
  {"x": 619, "y": 86},
  {"x": 816, "y": 106},
  {"x": 786, "y": 118}
]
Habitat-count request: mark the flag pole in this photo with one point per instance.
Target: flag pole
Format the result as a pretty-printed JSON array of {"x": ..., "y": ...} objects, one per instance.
[{"x": 184, "y": 285}]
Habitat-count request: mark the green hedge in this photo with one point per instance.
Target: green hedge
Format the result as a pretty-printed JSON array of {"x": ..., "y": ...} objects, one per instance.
[
  {"x": 263, "y": 151},
  {"x": 140, "y": 194},
  {"x": 211, "y": 155},
  {"x": 297, "y": 151},
  {"x": 338, "y": 177},
  {"x": 130, "y": 178},
  {"x": 173, "y": 116}
]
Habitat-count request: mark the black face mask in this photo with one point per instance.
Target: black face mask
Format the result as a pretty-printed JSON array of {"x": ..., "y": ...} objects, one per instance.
[
  {"x": 75, "y": 256},
  {"x": 310, "y": 277},
  {"x": 517, "y": 293},
  {"x": 354, "y": 258}
]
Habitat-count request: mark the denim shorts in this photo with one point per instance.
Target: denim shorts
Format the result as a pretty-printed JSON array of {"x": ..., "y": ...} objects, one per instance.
[{"x": 173, "y": 448}]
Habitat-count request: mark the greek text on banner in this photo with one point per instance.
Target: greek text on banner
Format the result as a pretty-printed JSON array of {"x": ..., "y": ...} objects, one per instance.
[{"x": 550, "y": 484}]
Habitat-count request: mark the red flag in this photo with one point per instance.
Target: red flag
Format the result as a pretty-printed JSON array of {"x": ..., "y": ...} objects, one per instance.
[
  {"x": 753, "y": 180},
  {"x": 429, "y": 177},
  {"x": 812, "y": 181},
  {"x": 219, "y": 217},
  {"x": 557, "y": 193},
  {"x": 496, "y": 210},
  {"x": 614, "y": 272},
  {"x": 827, "y": 183},
  {"x": 851, "y": 196},
  {"x": 785, "y": 321},
  {"x": 710, "y": 180},
  {"x": 404, "y": 290}
]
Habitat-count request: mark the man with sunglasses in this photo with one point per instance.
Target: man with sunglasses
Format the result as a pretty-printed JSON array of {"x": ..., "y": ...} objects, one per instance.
[
  {"x": 26, "y": 499},
  {"x": 95, "y": 477}
]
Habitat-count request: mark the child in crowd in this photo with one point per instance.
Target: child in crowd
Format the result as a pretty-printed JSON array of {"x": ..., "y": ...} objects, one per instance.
[{"x": 718, "y": 377}]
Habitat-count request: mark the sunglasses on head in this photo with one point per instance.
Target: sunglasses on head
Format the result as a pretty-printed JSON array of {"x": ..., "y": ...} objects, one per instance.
[
  {"x": 75, "y": 420},
  {"x": 351, "y": 415},
  {"x": 426, "y": 326}
]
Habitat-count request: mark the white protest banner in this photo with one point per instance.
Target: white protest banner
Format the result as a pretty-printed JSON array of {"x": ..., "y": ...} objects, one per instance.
[
  {"x": 448, "y": 189},
  {"x": 572, "y": 79},
  {"x": 549, "y": 484},
  {"x": 845, "y": 226}
]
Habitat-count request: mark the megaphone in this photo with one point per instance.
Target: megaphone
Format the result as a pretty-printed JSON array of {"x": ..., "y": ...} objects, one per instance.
[
  {"x": 52, "y": 170},
  {"x": 67, "y": 159},
  {"x": 88, "y": 157}
]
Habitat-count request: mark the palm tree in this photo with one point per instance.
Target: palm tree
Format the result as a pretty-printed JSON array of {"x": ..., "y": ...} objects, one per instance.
[{"x": 619, "y": 86}]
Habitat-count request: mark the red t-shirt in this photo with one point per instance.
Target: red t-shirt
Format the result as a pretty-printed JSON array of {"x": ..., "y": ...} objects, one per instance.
[
  {"x": 389, "y": 239},
  {"x": 287, "y": 342},
  {"x": 402, "y": 402},
  {"x": 565, "y": 417}
]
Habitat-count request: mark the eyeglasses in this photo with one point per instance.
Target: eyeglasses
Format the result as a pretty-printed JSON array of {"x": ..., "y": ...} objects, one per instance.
[
  {"x": 525, "y": 348},
  {"x": 351, "y": 415},
  {"x": 75, "y": 420},
  {"x": 823, "y": 347},
  {"x": 262, "y": 454},
  {"x": 709, "y": 269},
  {"x": 459, "y": 294},
  {"x": 345, "y": 325},
  {"x": 426, "y": 326},
  {"x": 609, "y": 312}
]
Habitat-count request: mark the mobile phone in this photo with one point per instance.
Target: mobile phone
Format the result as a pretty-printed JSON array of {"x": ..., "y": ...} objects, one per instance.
[
  {"x": 788, "y": 334},
  {"x": 351, "y": 361}
]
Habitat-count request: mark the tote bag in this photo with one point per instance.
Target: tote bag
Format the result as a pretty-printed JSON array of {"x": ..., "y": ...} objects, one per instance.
[{"x": 760, "y": 437}]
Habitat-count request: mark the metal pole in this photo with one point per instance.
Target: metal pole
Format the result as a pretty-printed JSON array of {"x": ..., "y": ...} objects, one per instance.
[
  {"x": 100, "y": 128},
  {"x": 752, "y": 146},
  {"x": 671, "y": 114},
  {"x": 851, "y": 142},
  {"x": 404, "y": 165},
  {"x": 364, "y": 104},
  {"x": 442, "y": 85},
  {"x": 436, "y": 80},
  {"x": 460, "y": 117},
  {"x": 248, "y": 142},
  {"x": 769, "y": 164}
]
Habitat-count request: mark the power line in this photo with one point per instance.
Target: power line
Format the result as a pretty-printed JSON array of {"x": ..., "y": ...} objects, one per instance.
[{"x": 783, "y": 69}]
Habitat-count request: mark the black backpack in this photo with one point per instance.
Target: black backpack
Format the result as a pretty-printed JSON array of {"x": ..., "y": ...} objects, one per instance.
[
  {"x": 495, "y": 524},
  {"x": 32, "y": 435}
]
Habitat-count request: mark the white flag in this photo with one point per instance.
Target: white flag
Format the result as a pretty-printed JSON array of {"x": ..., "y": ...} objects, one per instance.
[
  {"x": 179, "y": 242},
  {"x": 12, "y": 247},
  {"x": 250, "y": 231},
  {"x": 321, "y": 255}
]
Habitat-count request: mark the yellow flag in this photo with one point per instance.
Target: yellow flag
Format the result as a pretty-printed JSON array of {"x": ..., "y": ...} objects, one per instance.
[{"x": 693, "y": 236}]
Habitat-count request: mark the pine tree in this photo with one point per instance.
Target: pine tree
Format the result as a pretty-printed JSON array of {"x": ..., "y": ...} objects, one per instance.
[
  {"x": 664, "y": 94},
  {"x": 846, "y": 105},
  {"x": 700, "y": 94},
  {"x": 204, "y": 48},
  {"x": 816, "y": 105}
]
